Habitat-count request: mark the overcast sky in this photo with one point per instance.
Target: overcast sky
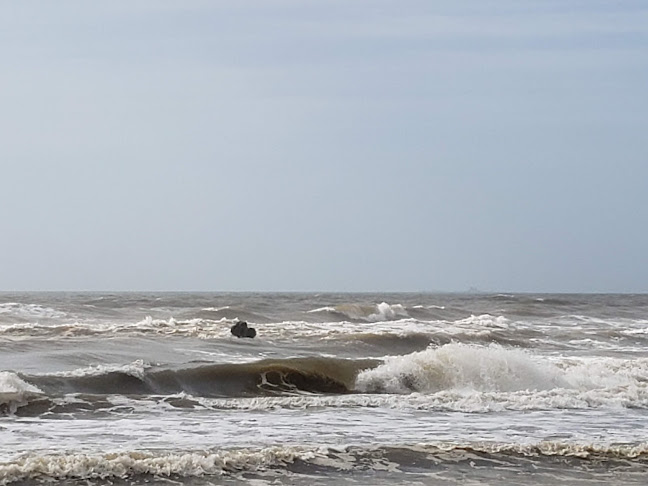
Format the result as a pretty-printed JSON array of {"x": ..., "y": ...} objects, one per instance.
[{"x": 324, "y": 145}]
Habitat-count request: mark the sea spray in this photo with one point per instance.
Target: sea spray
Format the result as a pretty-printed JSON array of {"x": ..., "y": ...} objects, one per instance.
[
  {"x": 461, "y": 366},
  {"x": 15, "y": 392}
]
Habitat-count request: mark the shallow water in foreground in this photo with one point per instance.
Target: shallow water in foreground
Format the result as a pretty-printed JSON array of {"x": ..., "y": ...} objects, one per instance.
[{"x": 336, "y": 388}]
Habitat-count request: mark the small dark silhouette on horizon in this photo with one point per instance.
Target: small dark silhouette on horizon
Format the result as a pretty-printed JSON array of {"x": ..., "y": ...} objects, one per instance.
[{"x": 241, "y": 330}]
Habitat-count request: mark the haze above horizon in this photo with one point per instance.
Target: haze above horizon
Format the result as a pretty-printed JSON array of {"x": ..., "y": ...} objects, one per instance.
[{"x": 294, "y": 145}]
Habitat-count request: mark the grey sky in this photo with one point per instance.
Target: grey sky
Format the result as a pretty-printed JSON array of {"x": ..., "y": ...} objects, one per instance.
[{"x": 324, "y": 145}]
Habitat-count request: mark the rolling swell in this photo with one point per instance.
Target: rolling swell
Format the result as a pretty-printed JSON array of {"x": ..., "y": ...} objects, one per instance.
[
  {"x": 456, "y": 377},
  {"x": 261, "y": 378},
  {"x": 404, "y": 343}
]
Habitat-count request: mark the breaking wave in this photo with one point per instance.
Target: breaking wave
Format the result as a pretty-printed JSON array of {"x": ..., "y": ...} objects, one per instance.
[
  {"x": 196, "y": 327},
  {"x": 456, "y": 377},
  {"x": 494, "y": 368},
  {"x": 364, "y": 312},
  {"x": 262, "y": 378},
  {"x": 316, "y": 460},
  {"x": 17, "y": 311},
  {"x": 460, "y": 366},
  {"x": 15, "y": 392},
  {"x": 482, "y": 378}
]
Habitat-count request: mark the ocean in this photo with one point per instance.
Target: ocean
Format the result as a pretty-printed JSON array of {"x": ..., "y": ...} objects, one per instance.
[{"x": 376, "y": 389}]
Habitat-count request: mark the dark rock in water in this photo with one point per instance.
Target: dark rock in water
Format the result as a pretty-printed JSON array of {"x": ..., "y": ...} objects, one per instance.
[
  {"x": 238, "y": 329},
  {"x": 241, "y": 329}
]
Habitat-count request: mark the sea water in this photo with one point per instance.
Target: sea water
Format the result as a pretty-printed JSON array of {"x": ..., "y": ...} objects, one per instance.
[{"x": 432, "y": 389}]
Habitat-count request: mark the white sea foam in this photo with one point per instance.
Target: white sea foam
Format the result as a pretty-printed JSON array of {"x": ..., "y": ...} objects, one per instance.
[
  {"x": 322, "y": 309},
  {"x": 125, "y": 464},
  {"x": 29, "y": 311},
  {"x": 545, "y": 448},
  {"x": 485, "y": 320},
  {"x": 367, "y": 312},
  {"x": 137, "y": 369},
  {"x": 14, "y": 391},
  {"x": 460, "y": 366},
  {"x": 197, "y": 327},
  {"x": 449, "y": 401},
  {"x": 592, "y": 373},
  {"x": 634, "y": 332},
  {"x": 386, "y": 312},
  {"x": 472, "y": 378}
]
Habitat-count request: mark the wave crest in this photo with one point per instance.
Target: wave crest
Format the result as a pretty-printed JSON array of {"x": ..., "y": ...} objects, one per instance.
[
  {"x": 365, "y": 312},
  {"x": 313, "y": 459},
  {"x": 455, "y": 377},
  {"x": 260, "y": 378},
  {"x": 461, "y": 366},
  {"x": 15, "y": 392},
  {"x": 128, "y": 464}
]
